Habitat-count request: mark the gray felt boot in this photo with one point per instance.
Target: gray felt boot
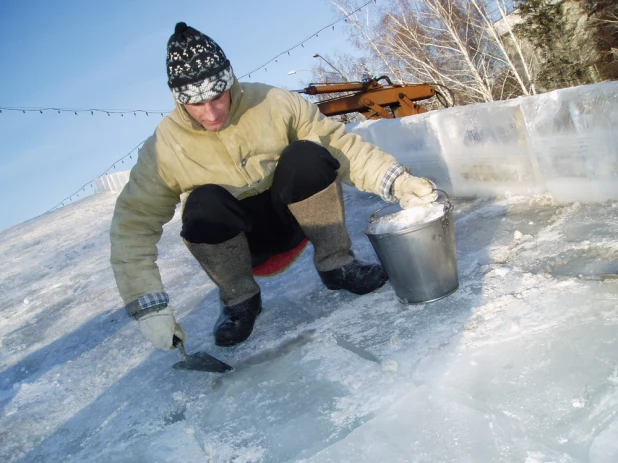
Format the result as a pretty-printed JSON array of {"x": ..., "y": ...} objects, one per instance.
[
  {"x": 228, "y": 265},
  {"x": 322, "y": 218}
]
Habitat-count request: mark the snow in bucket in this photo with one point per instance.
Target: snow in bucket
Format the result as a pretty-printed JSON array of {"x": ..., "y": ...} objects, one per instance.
[{"x": 406, "y": 219}]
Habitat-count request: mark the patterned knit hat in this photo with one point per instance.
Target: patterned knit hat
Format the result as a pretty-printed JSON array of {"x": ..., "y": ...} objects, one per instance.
[{"x": 197, "y": 68}]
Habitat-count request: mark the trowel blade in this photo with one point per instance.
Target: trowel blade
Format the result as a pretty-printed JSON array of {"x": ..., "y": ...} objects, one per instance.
[{"x": 201, "y": 361}]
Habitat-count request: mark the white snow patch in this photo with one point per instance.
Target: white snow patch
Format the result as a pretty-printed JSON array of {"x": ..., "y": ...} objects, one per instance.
[{"x": 406, "y": 219}]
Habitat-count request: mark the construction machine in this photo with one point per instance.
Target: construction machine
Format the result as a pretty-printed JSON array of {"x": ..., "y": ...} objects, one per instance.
[{"x": 373, "y": 99}]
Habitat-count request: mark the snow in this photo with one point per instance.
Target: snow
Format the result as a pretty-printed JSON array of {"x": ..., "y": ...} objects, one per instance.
[
  {"x": 519, "y": 365},
  {"x": 406, "y": 219}
]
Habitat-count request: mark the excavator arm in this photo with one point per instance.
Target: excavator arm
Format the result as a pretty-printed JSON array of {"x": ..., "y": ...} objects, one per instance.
[{"x": 371, "y": 98}]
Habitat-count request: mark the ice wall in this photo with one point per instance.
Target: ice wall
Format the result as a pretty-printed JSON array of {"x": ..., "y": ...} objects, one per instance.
[
  {"x": 111, "y": 182},
  {"x": 563, "y": 142}
]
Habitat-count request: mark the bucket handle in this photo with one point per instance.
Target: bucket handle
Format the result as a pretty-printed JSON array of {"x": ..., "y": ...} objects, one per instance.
[{"x": 448, "y": 206}]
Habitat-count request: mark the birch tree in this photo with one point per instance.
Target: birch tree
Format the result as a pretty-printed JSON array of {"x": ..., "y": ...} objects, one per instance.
[{"x": 454, "y": 43}]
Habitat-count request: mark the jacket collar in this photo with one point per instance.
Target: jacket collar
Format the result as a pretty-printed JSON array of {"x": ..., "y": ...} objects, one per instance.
[{"x": 235, "y": 94}]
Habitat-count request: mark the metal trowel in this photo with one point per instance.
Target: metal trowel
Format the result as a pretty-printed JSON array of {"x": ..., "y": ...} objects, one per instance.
[{"x": 200, "y": 361}]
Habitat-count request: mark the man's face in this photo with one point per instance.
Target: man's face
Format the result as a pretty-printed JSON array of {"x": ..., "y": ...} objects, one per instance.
[{"x": 212, "y": 114}]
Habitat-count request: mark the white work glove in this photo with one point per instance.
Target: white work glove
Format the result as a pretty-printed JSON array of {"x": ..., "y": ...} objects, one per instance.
[
  {"x": 413, "y": 191},
  {"x": 160, "y": 328}
]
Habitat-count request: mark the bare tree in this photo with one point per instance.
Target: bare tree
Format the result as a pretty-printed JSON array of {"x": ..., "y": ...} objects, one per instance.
[
  {"x": 516, "y": 61},
  {"x": 454, "y": 43},
  {"x": 363, "y": 36}
]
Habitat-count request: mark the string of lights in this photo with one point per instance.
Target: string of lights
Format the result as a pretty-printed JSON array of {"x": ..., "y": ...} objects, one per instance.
[
  {"x": 82, "y": 189},
  {"x": 147, "y": 112},
  {"x": 162, "y": 112},
  {"x": 77, "y": 112},
  {"x": 301, "y": 44}
]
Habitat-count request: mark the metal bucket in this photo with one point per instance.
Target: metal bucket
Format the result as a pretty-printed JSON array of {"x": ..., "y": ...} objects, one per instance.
[{"x": 420, "y": 261}]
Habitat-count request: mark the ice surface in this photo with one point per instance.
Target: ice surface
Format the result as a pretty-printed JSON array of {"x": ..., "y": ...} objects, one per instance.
[
  {"x": 520, "y": 364},
  {"x": 406, "y": 219}
]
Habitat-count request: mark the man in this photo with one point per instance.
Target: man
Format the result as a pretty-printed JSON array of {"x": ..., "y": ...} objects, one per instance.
[{"x": 263, "y": 169}]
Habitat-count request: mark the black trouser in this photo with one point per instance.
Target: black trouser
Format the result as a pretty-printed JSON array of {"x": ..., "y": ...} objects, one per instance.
[{"x": 212, "y": 215}]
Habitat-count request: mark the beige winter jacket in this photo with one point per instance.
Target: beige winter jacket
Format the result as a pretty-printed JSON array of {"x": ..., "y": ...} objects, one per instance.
[{"x": 181, "y": 155}]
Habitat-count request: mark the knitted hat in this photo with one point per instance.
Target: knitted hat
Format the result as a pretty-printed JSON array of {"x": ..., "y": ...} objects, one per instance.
[{"x": 197, "y": 68}]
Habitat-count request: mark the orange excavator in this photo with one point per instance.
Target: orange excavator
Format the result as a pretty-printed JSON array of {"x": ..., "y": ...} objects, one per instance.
[{"x": 373, "y": 99}]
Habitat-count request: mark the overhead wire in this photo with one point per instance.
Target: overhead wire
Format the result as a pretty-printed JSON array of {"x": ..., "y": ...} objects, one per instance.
[
  {"x": 301, "y": 44},
  {"x": 77, "y": 111},
  {"x": 161, "y": 112},
  {"x": 91, "y": 182},
  {"x": 123, "y": 112}
]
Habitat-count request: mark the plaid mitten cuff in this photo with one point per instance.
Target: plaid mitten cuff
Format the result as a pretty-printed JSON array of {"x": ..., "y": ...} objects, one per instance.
[
  {"x": 386, "y": 185},
  {"x": 152, "y": 302}
]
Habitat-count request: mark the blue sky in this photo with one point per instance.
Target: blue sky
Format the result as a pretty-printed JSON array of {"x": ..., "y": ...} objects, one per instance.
[{"x": 77, "y": 54}]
